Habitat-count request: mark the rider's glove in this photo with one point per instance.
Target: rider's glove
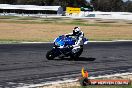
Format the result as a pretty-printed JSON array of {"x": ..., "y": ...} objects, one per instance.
[
  {"x": 66, "y": 35},
  {"x": 70, "y": 46},
  {"x": 73, "y": 45}
]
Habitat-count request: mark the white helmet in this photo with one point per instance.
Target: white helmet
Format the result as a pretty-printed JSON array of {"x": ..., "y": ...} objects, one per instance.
[{"x": 76, "y": 30}]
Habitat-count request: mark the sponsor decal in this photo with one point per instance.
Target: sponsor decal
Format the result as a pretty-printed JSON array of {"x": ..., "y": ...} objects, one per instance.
[{"x": 73, "y": 10}]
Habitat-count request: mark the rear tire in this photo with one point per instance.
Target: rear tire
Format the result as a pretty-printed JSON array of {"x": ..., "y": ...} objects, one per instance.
[
  {"x": 75, "y": 56},
  {"x": 50, "y": 55}
]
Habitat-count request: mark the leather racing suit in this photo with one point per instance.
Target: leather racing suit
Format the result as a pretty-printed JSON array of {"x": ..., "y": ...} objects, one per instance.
[{"x": 79, "y": 41}]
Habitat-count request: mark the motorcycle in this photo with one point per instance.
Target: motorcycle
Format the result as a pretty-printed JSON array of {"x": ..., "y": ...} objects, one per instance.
[{"x": 63, "y": 48}]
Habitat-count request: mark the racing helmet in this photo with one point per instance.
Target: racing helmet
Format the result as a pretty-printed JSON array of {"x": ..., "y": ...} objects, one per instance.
[{"x": 76, "y": 30}]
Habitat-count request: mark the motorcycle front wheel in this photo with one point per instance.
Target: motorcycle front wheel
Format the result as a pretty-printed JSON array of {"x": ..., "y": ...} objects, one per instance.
[{"x": 50, "y": 55}]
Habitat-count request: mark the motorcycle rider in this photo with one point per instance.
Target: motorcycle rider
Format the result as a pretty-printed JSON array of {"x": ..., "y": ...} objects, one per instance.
[{"x": 79, "y": 35}]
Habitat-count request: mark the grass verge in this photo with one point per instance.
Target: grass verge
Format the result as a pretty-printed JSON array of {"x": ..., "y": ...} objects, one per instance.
[{"x": 32, "y": 29}]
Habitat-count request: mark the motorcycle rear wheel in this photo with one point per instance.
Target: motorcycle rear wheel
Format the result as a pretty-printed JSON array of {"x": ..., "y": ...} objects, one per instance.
[{"x": 75, "y": 56}]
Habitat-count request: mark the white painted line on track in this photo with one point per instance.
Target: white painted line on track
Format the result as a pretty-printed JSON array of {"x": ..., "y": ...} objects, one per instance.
[
  {"x": 72, "y": 80},
  {"x": 88, "y": 41},
  {"x": 52, "y": 42},
  {"x": 113, "y": 75},
  {"x": 35, "y": 42},
  {"x": 50, "y": 83}
]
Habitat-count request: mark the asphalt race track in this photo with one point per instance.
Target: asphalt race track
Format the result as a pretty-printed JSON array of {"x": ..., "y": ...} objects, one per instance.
[{"x": 26, "y": 63}]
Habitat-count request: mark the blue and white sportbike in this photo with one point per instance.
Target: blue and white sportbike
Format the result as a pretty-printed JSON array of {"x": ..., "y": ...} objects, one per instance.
[{"x": 63, "y": 48}]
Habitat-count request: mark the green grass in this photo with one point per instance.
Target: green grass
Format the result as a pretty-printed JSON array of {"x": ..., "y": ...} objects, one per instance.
[
  {"x": 25, "y": 22},
  {"x": 8, "y": 42},
  {"x": 28, "y": 18},
  {"x": 8, "y": 17},
  {"x": 84, "y": 24},
  {"x": 37, "y": 20},
  {"x": 54, "y": 21},
  {"x": 15, "y": 41},
  {"x": 48, "y": 21}
]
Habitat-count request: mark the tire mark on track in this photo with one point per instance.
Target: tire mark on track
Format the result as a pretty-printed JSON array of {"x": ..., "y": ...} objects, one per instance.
[{"x": 34, "y": 65}]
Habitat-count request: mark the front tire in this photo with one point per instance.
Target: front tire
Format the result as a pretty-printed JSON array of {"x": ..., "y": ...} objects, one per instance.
[{"x": 50, "y": 55}]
